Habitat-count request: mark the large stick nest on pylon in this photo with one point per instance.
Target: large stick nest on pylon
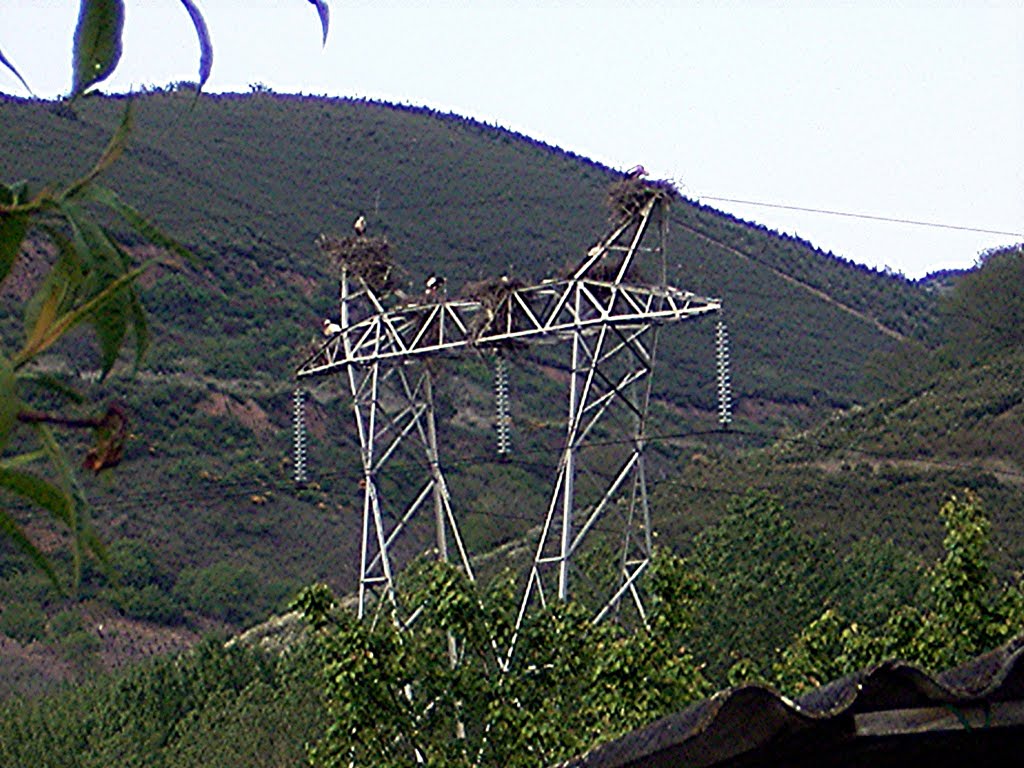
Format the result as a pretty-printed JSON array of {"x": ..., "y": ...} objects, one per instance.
[
  {"x": 363, "y": 257},
  {"x": 629, "y": 195},
  {"x": 492, "y": 292}
]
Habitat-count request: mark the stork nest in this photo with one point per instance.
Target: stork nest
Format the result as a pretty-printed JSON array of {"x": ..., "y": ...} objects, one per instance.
[
  {"x": 366, "y": 258},
  {"x": 492, "y": 292},
  {"x": 629, "y": 195}
]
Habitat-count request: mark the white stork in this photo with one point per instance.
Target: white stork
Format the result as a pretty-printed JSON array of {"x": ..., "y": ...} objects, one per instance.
[
  {"x": 360, "y": 225},
  {"x": 330, "y": 327},
  {"x": 434, "y": 285}
]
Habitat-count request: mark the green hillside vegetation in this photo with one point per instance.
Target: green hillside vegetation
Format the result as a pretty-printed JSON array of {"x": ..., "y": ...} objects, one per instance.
[
  {"x": 249, "y": 181},
  {"x": 953, "y": 420},
  {"x": 209, "y": 533}
]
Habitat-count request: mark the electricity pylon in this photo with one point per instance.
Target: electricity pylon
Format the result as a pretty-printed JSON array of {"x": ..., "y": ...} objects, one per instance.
[{"x": 608, "y": 319}]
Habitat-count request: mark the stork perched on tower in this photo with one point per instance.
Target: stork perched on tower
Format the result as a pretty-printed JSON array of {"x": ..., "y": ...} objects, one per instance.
[
  {"x": 434, "y": 286},
  {"x": 331, "y": 327},
  {"x": 360, "y": 225},
  {"x": 636, "y": 172}
]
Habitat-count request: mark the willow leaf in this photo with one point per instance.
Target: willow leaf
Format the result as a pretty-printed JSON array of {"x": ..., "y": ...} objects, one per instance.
[
  {"x": 140, "y": 327},
  {"x": 97, "y": 48},
  {"x": 9, "y": 402},
  {"x": 77, "y": 316},
  {"x": 12, "y": 532},
  {"x": 74, "y": 500},
  {"x": 325, "y": 16},
  {"x": 205, "y": 46},
  {"x": 17, "y": 74},
  {"x": 111, "y": 153},
  {"x": 52, "y": 384},
  {"x": 109, "y": 198},
  {"x": 39, "y": 492},
  {"x": 57, "y": 293},
  {"x": 12, "y": 234}
]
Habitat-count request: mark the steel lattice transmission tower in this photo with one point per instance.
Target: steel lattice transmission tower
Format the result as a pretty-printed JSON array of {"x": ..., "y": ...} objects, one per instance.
[{"x": 607, "y": 320}]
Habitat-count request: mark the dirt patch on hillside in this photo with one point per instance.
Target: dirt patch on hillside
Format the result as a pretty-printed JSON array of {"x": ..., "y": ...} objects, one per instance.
[{"x": 247, "y": 412}]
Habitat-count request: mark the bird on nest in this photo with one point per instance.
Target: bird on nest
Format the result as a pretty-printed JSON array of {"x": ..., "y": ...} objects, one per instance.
[{"x": 360, "y": 225}]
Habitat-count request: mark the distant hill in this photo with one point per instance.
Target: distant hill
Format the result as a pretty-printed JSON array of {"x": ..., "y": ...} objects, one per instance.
[
  {"x": 249, "y": 181},
  {"x": 953, "y": 419}
]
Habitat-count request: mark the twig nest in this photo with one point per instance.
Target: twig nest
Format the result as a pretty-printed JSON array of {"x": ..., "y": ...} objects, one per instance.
[
  {"x": 363, "y": 257},
  {"x": 629, "y": 195}
]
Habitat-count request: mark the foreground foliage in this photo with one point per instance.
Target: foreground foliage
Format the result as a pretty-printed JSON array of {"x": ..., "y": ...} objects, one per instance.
[
  {"x": 88, "y": 278},
  {"x": 962, "y": 611},
  {"x": 442, "y": 689},
  {"x": 210, "y": 706},
  {"x": 435, "y": 692}
]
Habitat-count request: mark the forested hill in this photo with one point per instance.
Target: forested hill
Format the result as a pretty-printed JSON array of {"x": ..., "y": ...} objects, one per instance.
[
  {"x": 248, "y": 182},
  {"x": 207, "y": 528}
]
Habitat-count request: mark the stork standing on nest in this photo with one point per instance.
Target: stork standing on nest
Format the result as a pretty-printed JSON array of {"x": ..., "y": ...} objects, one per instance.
[
  {"x": 360, "y": 225},
  {"x": 331, "y": 327},
  {"x": 434, "y": 286}
]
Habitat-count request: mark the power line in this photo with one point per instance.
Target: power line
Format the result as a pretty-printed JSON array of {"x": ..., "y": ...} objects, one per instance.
[{"x": 848, "y": 214}]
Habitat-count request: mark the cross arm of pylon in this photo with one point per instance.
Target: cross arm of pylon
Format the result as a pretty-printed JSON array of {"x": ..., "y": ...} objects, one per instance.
[{"x": 541, "y": 313}]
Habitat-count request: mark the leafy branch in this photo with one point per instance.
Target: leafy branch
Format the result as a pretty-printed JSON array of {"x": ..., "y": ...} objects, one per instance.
[{"x": 92, "y": 283}]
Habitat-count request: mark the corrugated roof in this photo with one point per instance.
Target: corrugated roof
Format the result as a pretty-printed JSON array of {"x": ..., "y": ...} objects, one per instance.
[{"x": 891, "y": 714}]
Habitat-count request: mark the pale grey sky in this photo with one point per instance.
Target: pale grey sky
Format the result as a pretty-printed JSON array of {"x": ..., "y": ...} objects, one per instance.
[{"x": 905, "y": 110}]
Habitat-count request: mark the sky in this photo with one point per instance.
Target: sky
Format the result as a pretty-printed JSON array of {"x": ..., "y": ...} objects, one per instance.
[{"x": 895, "y": 110}]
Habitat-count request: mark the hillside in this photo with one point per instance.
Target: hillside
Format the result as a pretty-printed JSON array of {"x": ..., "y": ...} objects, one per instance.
[
  {"x": 247, "y": 182},
  {"x": 878, "y": 472}
]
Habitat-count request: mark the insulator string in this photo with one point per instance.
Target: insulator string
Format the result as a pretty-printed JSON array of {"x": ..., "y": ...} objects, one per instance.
[
  {"x": 724, "y": 384},
  {"x": 299, "y": 434},
  {"x": 501, "y": 403}
]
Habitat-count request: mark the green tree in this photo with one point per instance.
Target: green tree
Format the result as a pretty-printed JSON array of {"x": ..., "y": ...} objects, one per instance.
[
  {"x": 984, "y": 313},
  {"x": 443, "y": 689},
  {"x": 766, "y": 581},
  {"x": 963, "y": 611}
]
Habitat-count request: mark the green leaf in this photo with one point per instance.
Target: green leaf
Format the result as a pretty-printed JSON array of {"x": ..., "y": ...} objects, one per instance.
[
  {"x": 71, "y": 319},
  {"x": 9, "y": 402},
  {"x": 56, "y": 294},
  {"x": 111, "y": 325},
  {"x": 111, "y": 153},
  {"x": 10, "y": 530},
  {"x": 39, "y": 492},
  {"x": 12, "y": 234},
  {"x": 205, "y": 46},
  {"x": 106, "y": 263},
  {"x": 325, "y": 16},
  {"x": 138, "y": 222},
  {"x": 6, "y": 63},
  {"x": 75, "y": 502},
  {"x": 140, "y": 327},
  {"x": 97, "y": 42},
  {"x": 53, "y": 384}
]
